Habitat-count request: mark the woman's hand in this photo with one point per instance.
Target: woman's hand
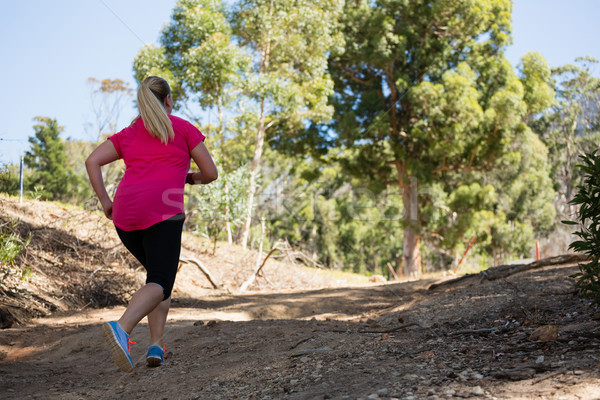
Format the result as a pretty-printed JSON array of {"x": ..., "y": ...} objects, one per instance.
[{"x": 108, "y": 209}]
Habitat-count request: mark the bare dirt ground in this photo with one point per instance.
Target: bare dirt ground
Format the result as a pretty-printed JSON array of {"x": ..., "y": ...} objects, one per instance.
[{"x": 349, "y": 340}]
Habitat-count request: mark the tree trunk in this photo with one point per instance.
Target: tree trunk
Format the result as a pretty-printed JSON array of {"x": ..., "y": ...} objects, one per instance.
[
  {"x": 228, "y": 215},
  {"x": 254, "y": 171},
  {"x": 412, "y": 240},
  {"x": 227, "y": 209},
  {"x": 260, "y": 138}
]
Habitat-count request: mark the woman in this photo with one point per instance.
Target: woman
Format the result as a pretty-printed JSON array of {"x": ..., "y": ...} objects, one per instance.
[{"x": 148, "y": 208}]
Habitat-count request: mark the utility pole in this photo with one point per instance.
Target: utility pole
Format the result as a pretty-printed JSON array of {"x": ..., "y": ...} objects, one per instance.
[{"x": 21, "y": 181}]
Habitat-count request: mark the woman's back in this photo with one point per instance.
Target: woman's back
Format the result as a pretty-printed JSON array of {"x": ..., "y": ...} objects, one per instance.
[{"x": 151, "y": 190}]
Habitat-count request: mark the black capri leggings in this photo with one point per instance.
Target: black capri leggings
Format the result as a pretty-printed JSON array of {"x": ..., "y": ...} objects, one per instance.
[{"x": 157, "y": 248}]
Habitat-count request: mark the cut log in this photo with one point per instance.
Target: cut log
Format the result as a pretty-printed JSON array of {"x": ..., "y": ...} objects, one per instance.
[{"x": 503, "y": 271}]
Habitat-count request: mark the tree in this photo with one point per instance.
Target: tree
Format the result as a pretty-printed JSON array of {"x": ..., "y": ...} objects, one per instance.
[
  {"x": 423, "y": 91},
  {"x": 328, "y": 215},
  {"x": 571, "y": 127},
  {"x": 107, "y": 97},
  {"x": 271, "y": 61},
  {"x": 218, "y": 206},
  {"x": 289, "y": 82},
  {"x": 203, "y": 65},
  {"x": 47, "y": 159},
  {"x": 9, "y": 179},
  {"x": 505, "y": 206}
]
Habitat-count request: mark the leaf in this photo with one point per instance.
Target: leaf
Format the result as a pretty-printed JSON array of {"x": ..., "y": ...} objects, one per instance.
[{"x": 569, "y": 222}]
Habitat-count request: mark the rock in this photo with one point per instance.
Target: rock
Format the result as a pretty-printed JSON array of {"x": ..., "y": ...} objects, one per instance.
[
  {"x": 545, "y": 333},
  {"x": 302, "y": 352},
  {"x": 477, "y": 391},
  {"x": 464, "y": 375},
  {"x": 377, "y": 279}
]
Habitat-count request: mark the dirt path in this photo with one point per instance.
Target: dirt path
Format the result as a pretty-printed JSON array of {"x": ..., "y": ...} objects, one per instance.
[{"x": 459, "y": 342}]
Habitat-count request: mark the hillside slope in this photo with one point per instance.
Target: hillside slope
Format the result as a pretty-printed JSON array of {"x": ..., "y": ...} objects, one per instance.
[{"x": 73, "y": 259}]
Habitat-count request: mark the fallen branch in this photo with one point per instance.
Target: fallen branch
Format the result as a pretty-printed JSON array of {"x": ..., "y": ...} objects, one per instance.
[
  {"x": 201, "y": 267},
  {"x": 252, "y": 278},
  {"x": 503, "y": 271},
  {"x": 472, "y": 331},
  {"x": 300, "y": 342},
  {"x": 393, "y": 271},
  {"x": 552, "y": 375},
  {"x": 400, "y": 327}
]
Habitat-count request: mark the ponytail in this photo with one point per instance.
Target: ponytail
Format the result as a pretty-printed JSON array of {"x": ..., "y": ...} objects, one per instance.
[{"x": 150, "y": 100}]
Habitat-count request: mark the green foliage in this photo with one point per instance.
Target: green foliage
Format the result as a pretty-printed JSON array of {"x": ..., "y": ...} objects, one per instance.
[
  {"x": 76, "y": 153},
  {"x": 11, "y": 244},
  {"x": 322, "y": 210},
  {"x": 427, "y": 97},
  {"x": 212, "y": 207},
  {"x": 536, "y": 78},
  {"x": 47, "y": 159},
  {"x": 9, "y": 179},
  {"x": 430, "y": 98},
  {"x": 527, "y": 194},
  {"x": 588, "y": 201},
  {"x": 570, "y": 127},
  {"x": 291, "y": 40}
]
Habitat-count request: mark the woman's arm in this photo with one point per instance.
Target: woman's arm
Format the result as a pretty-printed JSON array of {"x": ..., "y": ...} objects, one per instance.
[
  {"x": 208, "y": 170},
  {"x": 102, "y": 155}
]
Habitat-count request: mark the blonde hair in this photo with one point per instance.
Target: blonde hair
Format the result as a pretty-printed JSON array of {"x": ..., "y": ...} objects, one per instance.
[{"x": 151, "y": 96}]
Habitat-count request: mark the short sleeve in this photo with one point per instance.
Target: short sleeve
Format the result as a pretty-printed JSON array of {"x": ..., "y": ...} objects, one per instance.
[
  {"x": 193, "y": 136},
  {"x": 115, "y": 139}
]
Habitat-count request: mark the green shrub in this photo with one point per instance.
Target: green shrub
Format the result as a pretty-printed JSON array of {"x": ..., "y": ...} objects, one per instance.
[
  {"x": 588, "y": 200},
  {"x": 11, "y": 245}
]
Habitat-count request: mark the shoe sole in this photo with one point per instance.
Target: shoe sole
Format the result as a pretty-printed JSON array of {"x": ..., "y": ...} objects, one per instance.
[
  {"x": 153, "y": 362},
  {"x": 118, "y": 354}
]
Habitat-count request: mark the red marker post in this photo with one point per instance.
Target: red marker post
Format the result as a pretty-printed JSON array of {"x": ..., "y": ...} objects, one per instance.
[{"x": 465, "y": 253}]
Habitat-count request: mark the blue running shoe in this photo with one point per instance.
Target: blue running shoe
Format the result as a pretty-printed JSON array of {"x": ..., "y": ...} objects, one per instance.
[
  {"x": 155, "y": 356},
  {"x": 119, "y": 343}
]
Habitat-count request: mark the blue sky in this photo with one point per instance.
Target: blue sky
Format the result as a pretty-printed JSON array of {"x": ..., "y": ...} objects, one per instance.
[{"x": 50, "y": 48}]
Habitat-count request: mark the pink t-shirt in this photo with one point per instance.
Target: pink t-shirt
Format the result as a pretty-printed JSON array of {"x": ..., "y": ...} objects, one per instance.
[{"x": 151, "y": 190}]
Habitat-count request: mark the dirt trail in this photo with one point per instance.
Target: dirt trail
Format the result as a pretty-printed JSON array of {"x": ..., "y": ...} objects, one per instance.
[{"x": 464, "y": 342}]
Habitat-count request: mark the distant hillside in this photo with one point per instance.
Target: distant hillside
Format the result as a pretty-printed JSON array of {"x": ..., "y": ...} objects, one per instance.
[{"x": 72, "y": 259}]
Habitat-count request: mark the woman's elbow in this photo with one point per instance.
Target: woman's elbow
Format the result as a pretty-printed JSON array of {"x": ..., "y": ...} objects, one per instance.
[
  {"x": 212, "y": 176},
  {"x": 89, "y": 163}
]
